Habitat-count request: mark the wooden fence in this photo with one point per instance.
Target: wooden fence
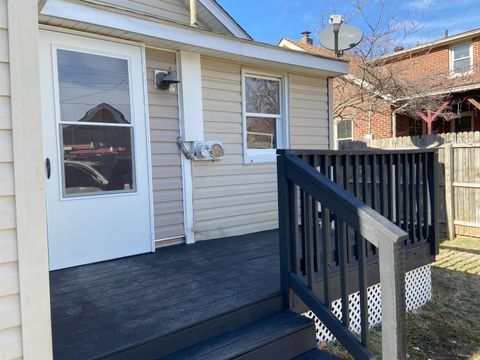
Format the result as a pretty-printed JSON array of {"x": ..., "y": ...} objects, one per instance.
[{"x": 459, "y": 176}]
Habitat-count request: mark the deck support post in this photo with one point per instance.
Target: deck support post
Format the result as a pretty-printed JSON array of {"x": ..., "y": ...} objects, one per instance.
[{"x": 392, "y": 280}]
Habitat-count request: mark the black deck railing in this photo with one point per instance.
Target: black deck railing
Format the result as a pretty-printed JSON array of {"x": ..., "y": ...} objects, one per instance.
[{"x": 330, "y": 211}]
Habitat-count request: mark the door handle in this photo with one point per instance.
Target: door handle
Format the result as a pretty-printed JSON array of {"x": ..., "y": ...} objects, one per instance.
[{"x": 48, "y": 167}]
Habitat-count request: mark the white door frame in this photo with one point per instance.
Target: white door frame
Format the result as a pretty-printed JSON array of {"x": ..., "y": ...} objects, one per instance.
[{"x": 146, "y": 172}]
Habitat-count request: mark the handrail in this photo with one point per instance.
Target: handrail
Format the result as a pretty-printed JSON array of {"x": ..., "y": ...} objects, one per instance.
[
  {"x": 350, "y": 212},
  {"x": 369, "y": 151}
]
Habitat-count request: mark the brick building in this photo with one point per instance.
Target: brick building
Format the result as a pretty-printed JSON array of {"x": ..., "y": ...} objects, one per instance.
[{"x": 455, "y": 58}]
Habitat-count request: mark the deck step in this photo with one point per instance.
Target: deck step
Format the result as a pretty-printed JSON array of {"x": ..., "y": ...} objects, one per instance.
[
  {"x": 317, "y": 354},
  {"x": 171, "y": 343},
  {"x": 284, "y": 335}
]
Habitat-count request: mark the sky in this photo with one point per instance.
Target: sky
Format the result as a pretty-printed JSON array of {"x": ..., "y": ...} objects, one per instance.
[{"x": 270, "y": 20}]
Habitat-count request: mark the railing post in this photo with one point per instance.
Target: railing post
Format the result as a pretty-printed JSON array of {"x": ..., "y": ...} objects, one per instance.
[
  {"x": 434, "y": 202},
  {"x": 392, "y": 280},
  {"x": 284, "y": 208}
]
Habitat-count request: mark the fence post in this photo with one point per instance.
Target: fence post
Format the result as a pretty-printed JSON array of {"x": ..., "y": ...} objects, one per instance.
[{"x": 449, "y": 190}]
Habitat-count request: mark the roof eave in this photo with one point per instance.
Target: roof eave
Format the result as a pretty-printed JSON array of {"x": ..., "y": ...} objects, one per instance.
[{"x": 191, "y": 37}]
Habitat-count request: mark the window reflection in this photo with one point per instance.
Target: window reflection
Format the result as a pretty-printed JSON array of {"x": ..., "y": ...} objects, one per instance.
[
  {"x": 261, "y": 133},
  {"x": 87, "y": 80},
  {"x": 97, "y": 159}
]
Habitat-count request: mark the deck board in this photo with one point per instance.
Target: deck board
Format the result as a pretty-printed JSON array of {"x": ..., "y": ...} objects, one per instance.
[{"x": 103, "y": 307}]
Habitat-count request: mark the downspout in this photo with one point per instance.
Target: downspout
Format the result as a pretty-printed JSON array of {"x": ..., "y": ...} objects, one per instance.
[{"x": 193, "y": 13}]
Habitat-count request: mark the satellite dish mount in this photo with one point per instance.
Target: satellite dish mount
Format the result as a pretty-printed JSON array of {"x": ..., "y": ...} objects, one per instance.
[
  {"x": 336, "y": 21},
  {"x": 340, "y": 37}
]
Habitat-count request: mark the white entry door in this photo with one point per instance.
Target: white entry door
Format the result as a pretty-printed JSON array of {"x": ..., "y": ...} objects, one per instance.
[{"x": 95, "y": 136}]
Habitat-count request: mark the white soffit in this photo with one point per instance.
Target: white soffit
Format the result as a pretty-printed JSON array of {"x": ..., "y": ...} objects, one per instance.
[
  {"x": 192, "y": 39},
  {"x": 223, "y": 17}
]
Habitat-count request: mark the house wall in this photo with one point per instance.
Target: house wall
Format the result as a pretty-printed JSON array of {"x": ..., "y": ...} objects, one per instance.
[
  {"x": 10, "y": 322},
  {"x": 166, "y": 160},
  {"x": 436, "y": 62},
  {"x": 231, "y": 198},
  {"x": 423, "y": 66}
]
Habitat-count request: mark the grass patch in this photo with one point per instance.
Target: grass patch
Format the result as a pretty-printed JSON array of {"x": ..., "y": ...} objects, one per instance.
[{"x": 448, "y": 327}]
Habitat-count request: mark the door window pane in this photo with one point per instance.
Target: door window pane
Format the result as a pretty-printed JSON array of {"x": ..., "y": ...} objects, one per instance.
[
  {"x": 262, "y": 96},
  {"x": 93, "y": 88},
  {"x": 97, "y": 159},
  {"x": 261, "y": 133}
]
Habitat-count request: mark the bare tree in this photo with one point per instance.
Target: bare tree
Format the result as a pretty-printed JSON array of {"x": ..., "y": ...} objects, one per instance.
[{"x": 377, "y": 82}]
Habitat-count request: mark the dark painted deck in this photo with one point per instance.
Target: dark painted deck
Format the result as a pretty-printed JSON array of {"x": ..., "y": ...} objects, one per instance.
[{"x": 114, "y": 305}]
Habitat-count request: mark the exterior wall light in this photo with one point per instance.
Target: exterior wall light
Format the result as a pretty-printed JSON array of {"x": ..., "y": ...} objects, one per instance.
[{"x": 165, "y": 80}]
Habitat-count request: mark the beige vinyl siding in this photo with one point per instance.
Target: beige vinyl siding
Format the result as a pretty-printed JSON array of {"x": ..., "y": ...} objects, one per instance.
[
  {"x": 308, "y": 100},
  {"x": 10, "y": 330},
  {"x": 173, "y": 10},
  {"x": 166, "y": 160},
  {"x": 231, "y": 198}
]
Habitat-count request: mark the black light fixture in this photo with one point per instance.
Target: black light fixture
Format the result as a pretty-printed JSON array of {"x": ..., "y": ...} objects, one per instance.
[{"x": 165, "y": 79}]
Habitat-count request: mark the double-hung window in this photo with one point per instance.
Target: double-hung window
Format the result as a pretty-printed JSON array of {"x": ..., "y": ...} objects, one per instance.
[
  {"x": 461, "y": 60},
  {"x": 263, "y": 120}
]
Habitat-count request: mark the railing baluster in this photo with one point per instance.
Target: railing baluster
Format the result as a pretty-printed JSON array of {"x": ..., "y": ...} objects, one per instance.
[
  {"x": 373, "y": 182},
  {"x": 426, "y": 203},
  {"x": 405, "y": 177},
  {"x": 337, "y": 174},
  {"x": 346, "y": 181},
  {"x": 397, "y": 193},
  {"x": 411, "y": 191},
  {"x": 355, "y": 189},
  {"x": 293, "y": 228},
  {"x": 327, "y": 248},
  {"x": 390, "y": 187},
  {"x": 342, "y": 229},
  {"x": 418, "y": 185},
  {"x": 362, "y": 285},
  {"x": 309, "y": 265},
  {"x": 317, "y": 243},
  {"x": 303, "y": 232},
  {"x": 382, "y": 184}
]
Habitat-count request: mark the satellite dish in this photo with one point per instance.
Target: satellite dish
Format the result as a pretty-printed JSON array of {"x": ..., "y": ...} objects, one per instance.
[{"x": 348, "y": 37}]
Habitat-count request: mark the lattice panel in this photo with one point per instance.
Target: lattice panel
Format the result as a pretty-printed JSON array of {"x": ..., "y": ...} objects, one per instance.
[{"x": 418, "y": 291}]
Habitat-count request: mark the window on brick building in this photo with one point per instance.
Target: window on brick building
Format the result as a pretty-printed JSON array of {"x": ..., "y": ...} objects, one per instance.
[
  {"x": 461, "y": 60},
  {"x": 344, "y": 130}
]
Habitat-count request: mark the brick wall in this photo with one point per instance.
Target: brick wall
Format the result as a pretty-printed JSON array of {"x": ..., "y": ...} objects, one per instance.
[
  {"x": 370, "y": 116},
  {"x": 432, "y": 63}
]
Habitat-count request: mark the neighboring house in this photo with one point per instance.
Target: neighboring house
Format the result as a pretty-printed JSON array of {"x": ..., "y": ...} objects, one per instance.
[
  {"x": 455, "y": 58},
  {"x": 84, "y": 127}
]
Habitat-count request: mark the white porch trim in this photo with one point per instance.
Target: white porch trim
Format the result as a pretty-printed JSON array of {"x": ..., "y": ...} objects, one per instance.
[{"x": 29, "y": 173}]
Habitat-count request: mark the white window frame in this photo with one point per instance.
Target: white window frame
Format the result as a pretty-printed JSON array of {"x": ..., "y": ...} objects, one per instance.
[
  {"x": 335, "y": 131},
  {"x": 452, "y": 59},
  {"x": 255, "y": 156},
  {"x": 464, "y": 113}
]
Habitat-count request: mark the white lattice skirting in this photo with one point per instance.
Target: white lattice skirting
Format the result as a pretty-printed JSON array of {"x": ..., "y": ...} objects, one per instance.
[{"x": 418, "y": 291}]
